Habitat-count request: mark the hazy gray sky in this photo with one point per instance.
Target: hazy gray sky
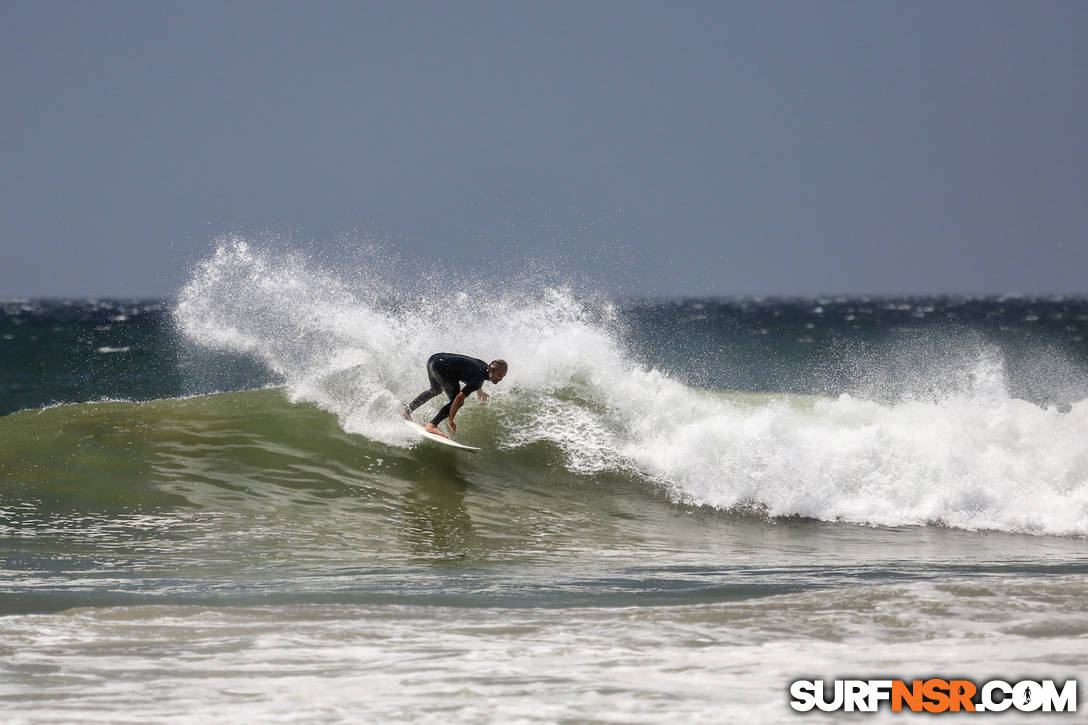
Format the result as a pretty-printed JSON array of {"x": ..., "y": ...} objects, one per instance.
[{"x": 670, "y": 148}]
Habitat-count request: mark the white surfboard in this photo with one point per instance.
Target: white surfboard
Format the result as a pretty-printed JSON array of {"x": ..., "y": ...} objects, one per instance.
[{"x": 437, "y": 438}]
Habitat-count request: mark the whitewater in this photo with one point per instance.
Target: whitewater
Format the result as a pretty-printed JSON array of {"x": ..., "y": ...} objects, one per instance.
[
  {"x": 962, "y": 452},
  {"x": 210, "y": 507}
]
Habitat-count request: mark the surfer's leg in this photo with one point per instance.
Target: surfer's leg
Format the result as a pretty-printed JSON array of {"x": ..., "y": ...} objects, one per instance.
[
  {"x": 437, "y": 386},
  {"x": 421, "y": 399},
  {"x": 450, "y": 389},
  {"x": 442, "y": 414},
  {"x": 435, "y": 389}
]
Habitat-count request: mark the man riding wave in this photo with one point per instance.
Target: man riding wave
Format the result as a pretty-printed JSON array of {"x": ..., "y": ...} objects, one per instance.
[{"x": 446, "y": 372}]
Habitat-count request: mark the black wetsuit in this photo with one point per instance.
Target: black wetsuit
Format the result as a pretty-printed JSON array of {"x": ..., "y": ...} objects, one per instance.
[{"x": 446, "y": 371}]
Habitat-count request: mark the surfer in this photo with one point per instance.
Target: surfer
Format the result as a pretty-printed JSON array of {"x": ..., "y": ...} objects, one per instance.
[{"x": 446, "y": 372}]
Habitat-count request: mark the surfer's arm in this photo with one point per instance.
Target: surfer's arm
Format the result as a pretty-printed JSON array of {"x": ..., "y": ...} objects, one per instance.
[
  {"x": 474, "y": 387},
  {"x": 455, "y": 405}
]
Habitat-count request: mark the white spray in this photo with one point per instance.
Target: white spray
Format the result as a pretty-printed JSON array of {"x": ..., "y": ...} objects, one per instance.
[{"x": 973, "y": 457}]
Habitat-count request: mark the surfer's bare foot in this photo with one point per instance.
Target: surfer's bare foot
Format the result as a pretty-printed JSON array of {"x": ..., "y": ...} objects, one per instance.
[
  {"x": 432, "y": 428},
  {"x": 405, "y": 414}
]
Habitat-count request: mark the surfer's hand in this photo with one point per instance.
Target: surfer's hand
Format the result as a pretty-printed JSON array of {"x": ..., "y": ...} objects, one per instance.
[
  {"x": 453, "y": 428},
  {"x": 482, "y": 396}
]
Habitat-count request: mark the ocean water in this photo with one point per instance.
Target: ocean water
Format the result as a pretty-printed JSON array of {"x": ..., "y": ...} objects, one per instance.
[{"x": 209, "y": 509}]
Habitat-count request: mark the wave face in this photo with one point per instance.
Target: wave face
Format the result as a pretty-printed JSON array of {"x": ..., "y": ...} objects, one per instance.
[{"x": 961, "y": 451}]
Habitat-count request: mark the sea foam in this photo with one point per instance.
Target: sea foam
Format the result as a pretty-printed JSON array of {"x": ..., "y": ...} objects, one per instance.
[{"x": 968, "y": 455}]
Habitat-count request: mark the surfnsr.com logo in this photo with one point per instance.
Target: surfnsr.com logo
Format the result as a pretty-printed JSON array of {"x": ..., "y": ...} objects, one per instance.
[{"x": 934, "y": 695}]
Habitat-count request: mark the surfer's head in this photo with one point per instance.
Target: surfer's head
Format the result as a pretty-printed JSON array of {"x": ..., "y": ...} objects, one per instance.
[{"x": 496, "y": 370}]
